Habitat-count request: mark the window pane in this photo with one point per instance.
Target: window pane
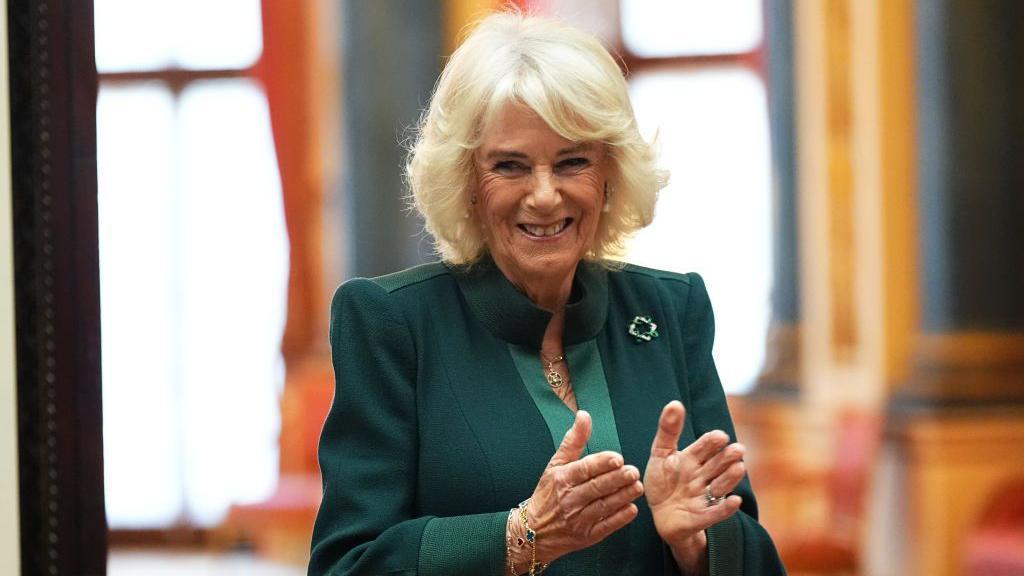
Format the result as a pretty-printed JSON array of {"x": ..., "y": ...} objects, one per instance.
[
  {"x": 194, "y": 34},
  {"x": 598, "y": 17},
  {"x": 133, "y": 34},
  {"x": 234, "y": 295},
  {"x": 139, "y": 303},
  {"x": 194, "y": 271},
  {"x": 660, "y": 28},
  {"x": 220, "y": 34},
  {"x": 714, "y": 217}
]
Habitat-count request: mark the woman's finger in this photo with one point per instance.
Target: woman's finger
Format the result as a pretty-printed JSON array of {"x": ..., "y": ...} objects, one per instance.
[
  {"x": 721, "y": 461},
  {"x": 709, "y": 444},
  {"x": 582, "y": 472},
  {"x": 670, "y": 426},
  {"x": 728, "y": 480},
  {"x": 601, "y": 485},
  {"x": 619, "y": 518},
  {"x": 606, "y": 506},
  {"x": 574, "y": 441},
  {"x": 714, "y": 514}
]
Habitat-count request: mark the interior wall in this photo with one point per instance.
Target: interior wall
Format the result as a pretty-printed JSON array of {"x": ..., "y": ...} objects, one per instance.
[
  {"x": 391, "y": 61},
  {"x": 9, "y": 543}
]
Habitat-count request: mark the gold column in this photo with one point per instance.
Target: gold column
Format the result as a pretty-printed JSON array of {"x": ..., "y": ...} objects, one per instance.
[
  {"x": 856, "y": 138},
  {"x": 898, "y": 182},
  {"x": 856, "y": 152}
]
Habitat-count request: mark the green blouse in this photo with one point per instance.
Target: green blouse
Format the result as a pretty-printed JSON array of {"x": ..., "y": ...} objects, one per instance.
[{"x": 442, "y": 420}]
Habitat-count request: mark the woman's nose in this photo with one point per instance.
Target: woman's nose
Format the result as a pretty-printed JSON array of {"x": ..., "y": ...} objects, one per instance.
[{"x": 545, "y": 194}]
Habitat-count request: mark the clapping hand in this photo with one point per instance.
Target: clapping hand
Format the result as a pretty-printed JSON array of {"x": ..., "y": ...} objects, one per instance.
[
  {"x": 581, "y": 501},
  {"x": 686, "y": 489}
]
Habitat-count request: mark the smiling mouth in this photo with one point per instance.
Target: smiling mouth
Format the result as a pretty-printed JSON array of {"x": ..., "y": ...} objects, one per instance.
[{"x": 545, "y": 231}]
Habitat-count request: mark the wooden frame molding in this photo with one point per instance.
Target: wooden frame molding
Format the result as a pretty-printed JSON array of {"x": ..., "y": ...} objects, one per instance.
[{"x": 53, "y": 158}]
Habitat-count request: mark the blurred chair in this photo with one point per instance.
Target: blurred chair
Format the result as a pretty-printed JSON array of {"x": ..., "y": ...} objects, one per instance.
[
  {"x": 996, "y": 547},
  {"x": 832, "y": 546}
]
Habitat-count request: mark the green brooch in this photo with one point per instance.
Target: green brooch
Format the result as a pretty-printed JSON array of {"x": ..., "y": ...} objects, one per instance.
[{"x": 643, "y": 329}]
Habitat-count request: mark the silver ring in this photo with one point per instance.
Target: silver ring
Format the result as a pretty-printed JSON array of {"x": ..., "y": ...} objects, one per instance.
[{"x": 710, "y": 498}]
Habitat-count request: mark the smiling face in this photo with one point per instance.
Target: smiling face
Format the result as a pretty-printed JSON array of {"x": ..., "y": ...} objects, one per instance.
[{"x": 538, "y": 199}]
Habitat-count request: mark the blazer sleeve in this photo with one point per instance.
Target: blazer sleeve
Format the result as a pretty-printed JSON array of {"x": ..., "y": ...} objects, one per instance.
[
  {"x": 368, "y": 458},
  {"x": 739, "y": 544}
]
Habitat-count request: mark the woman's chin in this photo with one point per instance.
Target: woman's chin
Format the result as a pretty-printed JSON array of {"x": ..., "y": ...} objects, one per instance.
[
  {"x": 552, "y": 265},
  {"x": 527, "y": 260}
]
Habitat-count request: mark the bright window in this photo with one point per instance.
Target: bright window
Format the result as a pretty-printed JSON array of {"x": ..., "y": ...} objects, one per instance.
[
  {"x": 193, "y": 264},
  {"x": 147, "y": 35},
  {"x": 715, "y": 215},
  {"x": 664, "y": 28}
]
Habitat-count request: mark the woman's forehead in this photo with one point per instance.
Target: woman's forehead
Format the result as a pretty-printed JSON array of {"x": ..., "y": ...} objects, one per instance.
[{"x": 516, "y": 125}]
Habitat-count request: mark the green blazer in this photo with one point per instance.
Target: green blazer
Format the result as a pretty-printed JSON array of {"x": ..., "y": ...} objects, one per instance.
[{"x": 433, "y": 437}]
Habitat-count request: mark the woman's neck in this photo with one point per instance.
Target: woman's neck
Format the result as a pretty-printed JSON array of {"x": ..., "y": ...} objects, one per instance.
[
  {"x": 549, "y": 295},
  {"x": 552, "y": 346},
  {"x": 548, "y": 290}
]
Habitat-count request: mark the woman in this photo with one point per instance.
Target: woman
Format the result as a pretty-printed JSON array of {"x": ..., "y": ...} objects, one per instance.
[{"x": 498, "y": 413}]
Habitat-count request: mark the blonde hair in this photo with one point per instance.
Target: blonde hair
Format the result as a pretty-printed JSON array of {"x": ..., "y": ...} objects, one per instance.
[{"x": 564, "y": 75}]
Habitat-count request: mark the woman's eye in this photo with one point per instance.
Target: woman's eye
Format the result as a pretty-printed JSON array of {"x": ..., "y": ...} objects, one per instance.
[
  {"x": 509, "y": 167},
  {"x": 574, "y": 163}
]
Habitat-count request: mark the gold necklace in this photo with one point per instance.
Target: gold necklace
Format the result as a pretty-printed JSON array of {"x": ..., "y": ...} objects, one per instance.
[{"x": 555, "y": 380}]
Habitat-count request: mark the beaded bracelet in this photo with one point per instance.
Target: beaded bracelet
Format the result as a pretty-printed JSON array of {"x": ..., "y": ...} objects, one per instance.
[{"x": 536, "y": 568}]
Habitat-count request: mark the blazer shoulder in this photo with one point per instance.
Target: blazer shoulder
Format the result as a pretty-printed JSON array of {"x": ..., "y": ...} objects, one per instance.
[
  {"x": 377, "y": 292},
  {"x": 397, "y": 281},
  {"x": 634, "y": 271}
]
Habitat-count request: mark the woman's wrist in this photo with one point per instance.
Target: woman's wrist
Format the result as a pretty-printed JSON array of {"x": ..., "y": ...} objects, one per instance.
[
  {"x": 691, "y": 554},
  {"x": 517, "y": 560},
  {"x": 520, "y": 545}
]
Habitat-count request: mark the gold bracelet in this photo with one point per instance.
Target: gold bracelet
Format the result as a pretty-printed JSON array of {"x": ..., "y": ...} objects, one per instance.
[
  {"x": 536, "y": 568},
  {"x": 508, "y": 542}
]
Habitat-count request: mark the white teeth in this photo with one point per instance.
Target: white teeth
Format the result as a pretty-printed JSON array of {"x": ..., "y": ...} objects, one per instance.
[{"x": 545, "y": 230}]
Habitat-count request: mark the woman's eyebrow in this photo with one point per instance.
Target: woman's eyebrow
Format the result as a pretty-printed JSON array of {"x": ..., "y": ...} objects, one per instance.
[
  {"x": 579, "y": 147},
  {"x": 505, "y": 154},
  {"x": 500, "y": 153}
]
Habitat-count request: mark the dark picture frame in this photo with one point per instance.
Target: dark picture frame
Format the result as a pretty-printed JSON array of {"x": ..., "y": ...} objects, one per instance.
[{"x": 53, "y": 87}]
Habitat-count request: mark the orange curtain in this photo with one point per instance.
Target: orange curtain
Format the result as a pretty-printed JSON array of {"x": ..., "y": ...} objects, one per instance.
[{"x": 287, "y": 72}]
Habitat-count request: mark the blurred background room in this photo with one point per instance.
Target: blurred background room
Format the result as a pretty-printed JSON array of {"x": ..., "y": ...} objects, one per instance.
[{"x": 853, "y": 168}]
